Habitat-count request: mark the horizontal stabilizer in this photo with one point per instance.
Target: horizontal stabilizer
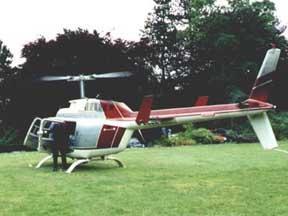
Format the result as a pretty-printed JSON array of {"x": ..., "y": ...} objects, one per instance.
[{"x": 145, "y": 110}]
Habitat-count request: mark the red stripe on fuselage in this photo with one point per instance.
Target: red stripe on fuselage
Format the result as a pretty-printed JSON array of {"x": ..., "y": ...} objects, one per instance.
[
  {"x": 118, "y": 137},
  {"x": 106, "y": 136}
]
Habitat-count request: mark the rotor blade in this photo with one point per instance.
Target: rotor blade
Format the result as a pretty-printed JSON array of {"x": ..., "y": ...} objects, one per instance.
[
  {"x": 55, "y": 78},
  {"x": 112, "y": 75}
]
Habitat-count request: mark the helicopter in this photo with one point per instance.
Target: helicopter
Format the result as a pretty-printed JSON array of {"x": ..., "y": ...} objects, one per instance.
[{"x": 101, "y": 128}]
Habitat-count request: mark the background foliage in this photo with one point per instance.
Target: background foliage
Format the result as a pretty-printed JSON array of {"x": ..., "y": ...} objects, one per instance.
[{"x": 188, "y": 48}]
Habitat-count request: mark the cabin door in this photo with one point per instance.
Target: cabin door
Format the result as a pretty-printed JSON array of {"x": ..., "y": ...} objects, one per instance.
[{"x": 31, "y": 139}]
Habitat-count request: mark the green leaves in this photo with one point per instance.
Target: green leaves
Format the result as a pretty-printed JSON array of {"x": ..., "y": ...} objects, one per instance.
[
  {"x": 196, "y": 42},
  {"x": 226, "y": 40},
  {"x": 5, "y": 56}
]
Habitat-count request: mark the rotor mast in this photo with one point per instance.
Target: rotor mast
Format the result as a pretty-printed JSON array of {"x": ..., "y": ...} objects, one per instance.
[
  {"x": 81, "y": 79},
  {"x": 82, "y": 86}
]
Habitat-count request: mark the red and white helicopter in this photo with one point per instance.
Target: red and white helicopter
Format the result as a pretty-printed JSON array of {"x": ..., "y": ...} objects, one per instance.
[{"x": 100, "y": 128}]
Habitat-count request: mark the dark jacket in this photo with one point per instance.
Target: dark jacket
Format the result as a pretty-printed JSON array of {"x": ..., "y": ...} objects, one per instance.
[{"x": 60, "y": 136}]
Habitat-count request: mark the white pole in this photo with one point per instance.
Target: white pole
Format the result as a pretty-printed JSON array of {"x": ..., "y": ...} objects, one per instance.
[{"x": 82, "y": 88}]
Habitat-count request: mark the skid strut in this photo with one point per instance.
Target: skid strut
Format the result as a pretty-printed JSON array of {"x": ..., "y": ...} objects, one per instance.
[
  {"x": 43, "y": 161},
  {"x": 119, "y": 162},
  {"x": 75, "y": 164}
]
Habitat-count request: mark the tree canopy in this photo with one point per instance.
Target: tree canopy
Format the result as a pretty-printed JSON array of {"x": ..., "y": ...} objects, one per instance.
[
  {"x": 212, "y": 49},
  {"x": 188, "y": 48},
  {"x": 5, "y": 56},
  {"x": 76, "y": 52}
]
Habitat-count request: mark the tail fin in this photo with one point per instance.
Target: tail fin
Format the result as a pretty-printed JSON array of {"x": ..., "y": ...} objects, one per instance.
[
  {"x": 261, "y": 88},
  {"x": 201, "y": 101}
]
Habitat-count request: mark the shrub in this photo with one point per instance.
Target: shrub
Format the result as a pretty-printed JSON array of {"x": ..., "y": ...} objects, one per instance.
[
  {"x": 190, "y": 136},
  {"x": 9, "y": 136},
  {"x": 279, "y": 123},
  {"x": 162, "y": 141},
  {"x": 179, "y": 140},
  {"x": 200, "y": 135}
]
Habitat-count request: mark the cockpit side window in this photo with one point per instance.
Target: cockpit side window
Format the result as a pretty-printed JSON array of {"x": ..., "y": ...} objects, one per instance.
[{"x": 90, "y": 106}]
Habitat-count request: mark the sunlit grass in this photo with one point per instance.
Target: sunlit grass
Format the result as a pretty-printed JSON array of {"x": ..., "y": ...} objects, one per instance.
[{"x": 225, "y": 179}]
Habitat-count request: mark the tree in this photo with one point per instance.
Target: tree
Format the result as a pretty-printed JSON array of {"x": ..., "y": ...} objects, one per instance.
[
  {"x": 235, "y": 39},
  {"x": 5, "y": 56},
  {"x": 161, "y": 32},
  {"x": 73, "y": 53},
  {"x": 213, "y": 49},
  {"x": 6, "y": 74}
]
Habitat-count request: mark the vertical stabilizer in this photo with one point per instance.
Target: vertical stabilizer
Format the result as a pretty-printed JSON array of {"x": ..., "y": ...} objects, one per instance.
[
  {"x": 261, "y": 88},
  {"x": 262, "y": 127}
]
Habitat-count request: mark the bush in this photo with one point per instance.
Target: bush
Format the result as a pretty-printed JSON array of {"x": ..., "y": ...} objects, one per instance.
[
  {"x": 279, "y": 123},
  {"x": 9, "y": 136},
  {"x": 176, "y": 140},
  {"x": 200, "y": 135},
  {"x": 179, "y": 140},
  {"x": 190, "y": 136},
  {"x": 162, "y": 141},
  {"x": 241, "y": 131}
]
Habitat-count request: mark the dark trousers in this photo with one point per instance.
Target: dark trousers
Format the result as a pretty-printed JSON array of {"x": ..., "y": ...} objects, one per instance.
[{"x": 56, "y": 151}]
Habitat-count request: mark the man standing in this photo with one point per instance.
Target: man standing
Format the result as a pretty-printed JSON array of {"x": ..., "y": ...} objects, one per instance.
[{"x": 60, "y": 144}]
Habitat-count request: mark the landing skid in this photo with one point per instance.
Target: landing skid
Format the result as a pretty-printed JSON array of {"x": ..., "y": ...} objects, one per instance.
[{"x": 82, "y": 161}]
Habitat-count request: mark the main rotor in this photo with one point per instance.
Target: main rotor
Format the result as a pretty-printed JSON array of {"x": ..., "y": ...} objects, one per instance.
[{"x": 82, "y": 78}]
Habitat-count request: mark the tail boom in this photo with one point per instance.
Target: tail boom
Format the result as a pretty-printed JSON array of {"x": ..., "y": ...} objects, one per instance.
[
  {"x": 255, "y": 108},
  {"x": 175, "y": 116}
]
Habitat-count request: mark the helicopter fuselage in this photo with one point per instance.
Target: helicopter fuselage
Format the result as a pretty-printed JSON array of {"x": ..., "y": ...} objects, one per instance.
[{"x": 99, "y": 128}]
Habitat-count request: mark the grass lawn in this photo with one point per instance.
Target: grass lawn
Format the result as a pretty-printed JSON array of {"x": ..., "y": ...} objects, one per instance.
[{"x": 225, "y": 179}]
